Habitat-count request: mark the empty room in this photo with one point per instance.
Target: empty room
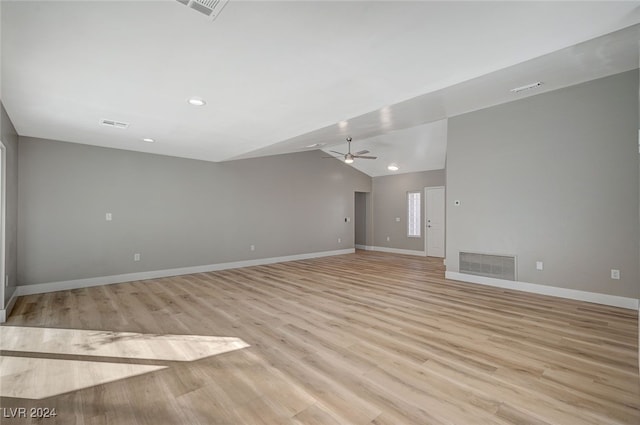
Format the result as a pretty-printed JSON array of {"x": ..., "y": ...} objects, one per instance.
[{"x": 319, "y": 212}]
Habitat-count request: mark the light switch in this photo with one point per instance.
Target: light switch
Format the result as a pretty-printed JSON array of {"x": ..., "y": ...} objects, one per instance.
[
  {"x": 107, "y": 216},
  {"x": 539, "y": 265}
]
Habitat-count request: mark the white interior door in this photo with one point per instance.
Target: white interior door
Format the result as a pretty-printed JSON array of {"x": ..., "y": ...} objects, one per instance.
[{"x": 434, "y": 221}]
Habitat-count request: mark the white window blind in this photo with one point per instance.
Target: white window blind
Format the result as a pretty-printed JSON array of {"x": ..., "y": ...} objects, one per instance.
[{"x": 413, "y": 214}]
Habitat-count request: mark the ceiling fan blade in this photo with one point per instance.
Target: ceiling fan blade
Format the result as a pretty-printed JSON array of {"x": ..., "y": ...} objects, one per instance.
[
  {"x": 365, "y": 157},
  {"x": 339, "y": 153},
  {"x": 361, "y": 152},
  {"x": 336, "y": 157}
]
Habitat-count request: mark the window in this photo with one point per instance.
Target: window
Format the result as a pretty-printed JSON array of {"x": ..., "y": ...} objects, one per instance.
[{"x": 413, "y": 214}]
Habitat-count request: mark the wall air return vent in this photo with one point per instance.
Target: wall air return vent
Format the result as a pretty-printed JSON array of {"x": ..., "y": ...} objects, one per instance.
[
  {"x": 210, "y": 8},
  {"x": 115, "y": 124},
  {"x": 494, "y": 266}
]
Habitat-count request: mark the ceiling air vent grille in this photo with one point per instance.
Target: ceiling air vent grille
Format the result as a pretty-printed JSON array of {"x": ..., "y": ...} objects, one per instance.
[
  {"x": 495, "y": 266},
  {"x": 211, "y": 8},
  {"x": 114, "y": 124},
  {"x": 527, "y": 87}
]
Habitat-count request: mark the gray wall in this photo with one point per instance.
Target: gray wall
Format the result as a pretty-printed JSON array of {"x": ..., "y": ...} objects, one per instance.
[
  {"x": 554, "y": 178},
  {"x": 9, "y": 138},
  {"x": 174, "y": 212},
  {"x": 390, "y": 201}
]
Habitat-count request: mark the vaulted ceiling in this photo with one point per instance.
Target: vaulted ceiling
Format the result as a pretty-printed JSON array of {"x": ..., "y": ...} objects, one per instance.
[{"x": 287, "y": 76}]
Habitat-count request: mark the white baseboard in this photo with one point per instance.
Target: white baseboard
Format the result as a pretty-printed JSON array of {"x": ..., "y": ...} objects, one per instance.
[
  {"x": 365, "y": 247},
  {"x": 573, "y": 294},
  {"x": 391, "y": 250},
  {"x": 7, "y": 311},
  {"x": 41, "y": 288},
  {"x": 398, "y": 251}
]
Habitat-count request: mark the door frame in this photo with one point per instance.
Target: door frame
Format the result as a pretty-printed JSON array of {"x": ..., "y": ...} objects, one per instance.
[
  {"x": 3, "y": 221},
  {"x": 368, "y": 222}
]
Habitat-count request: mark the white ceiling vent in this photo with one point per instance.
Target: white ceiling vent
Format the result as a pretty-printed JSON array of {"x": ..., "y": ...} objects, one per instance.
[
  {"x": 527, "y": 87},
  {"x": 211, "y": 8},
  {"x": 114, "y": 124}
]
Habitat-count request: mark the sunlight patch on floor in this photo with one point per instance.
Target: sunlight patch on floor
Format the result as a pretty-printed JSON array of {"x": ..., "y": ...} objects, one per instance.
[
  {"x": 40, "y": 377},
  {"x": 36, "y": 378},
  {"x": 116, "y": 344}
]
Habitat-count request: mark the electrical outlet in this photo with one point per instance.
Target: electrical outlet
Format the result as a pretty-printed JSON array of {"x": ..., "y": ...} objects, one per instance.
[
  {"x": 539, "y": 265},
  {"x": 252, "y": 247},
  {"x": 615, "y": 274},
  {"x": 136, "y": 256},
  {"x": 339, "y": 240},
  {"x": 397, "y": 219},
  {"x": 388, "y": 239},
  {"x": 108, "y": 217}
]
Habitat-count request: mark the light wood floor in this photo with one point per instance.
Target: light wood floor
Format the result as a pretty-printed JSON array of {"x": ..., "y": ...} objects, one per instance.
[{"x": 368, "y": 338}]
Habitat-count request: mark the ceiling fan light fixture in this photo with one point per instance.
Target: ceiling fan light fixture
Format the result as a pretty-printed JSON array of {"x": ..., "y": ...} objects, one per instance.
[
  {"x": 392, "y": 167},
  {"x": 349, "y": 157}
]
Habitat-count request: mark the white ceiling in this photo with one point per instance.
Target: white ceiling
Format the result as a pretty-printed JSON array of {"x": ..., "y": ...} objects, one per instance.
[{"x": 278, "y": 76}]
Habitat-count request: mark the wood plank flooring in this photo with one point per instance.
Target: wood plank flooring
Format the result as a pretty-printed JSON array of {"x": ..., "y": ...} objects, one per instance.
[{"x": 367, "y": 338}]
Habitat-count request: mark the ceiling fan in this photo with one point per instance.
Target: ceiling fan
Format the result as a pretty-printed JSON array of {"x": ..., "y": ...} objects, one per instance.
[{"x": 349, "y": 157}]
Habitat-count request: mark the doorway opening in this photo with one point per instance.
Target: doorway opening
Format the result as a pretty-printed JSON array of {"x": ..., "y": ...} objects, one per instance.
[{"x": 362, "y": 220}]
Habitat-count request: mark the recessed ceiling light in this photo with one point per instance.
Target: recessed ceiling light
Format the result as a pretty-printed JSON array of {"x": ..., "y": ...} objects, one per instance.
[
  {"x": 148, "y": 140},
  {"x": 392, "y": 167},
  {"x": 196, "y": 101}
]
